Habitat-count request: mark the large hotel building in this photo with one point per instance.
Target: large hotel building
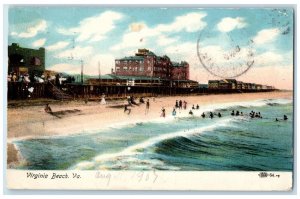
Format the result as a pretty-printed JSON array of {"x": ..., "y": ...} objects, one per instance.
[{"x": 146, "y": 63}]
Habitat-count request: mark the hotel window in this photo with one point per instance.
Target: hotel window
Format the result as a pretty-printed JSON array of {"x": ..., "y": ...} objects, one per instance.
[
  {"x": 125, "y": 68},
  {"x": 117, "y": 62},
  {"x": 117, "y": 68},
  {"x": 141, "y": 68}
]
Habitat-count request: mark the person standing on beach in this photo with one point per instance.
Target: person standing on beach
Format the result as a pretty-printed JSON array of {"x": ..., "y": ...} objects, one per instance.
[
  {"x": 180, "y": 104},
  {"x": 142, "y": 100},
  {"x": 126, "y": 109},
  {"x": 174, "y": 112},
  {"x": 184, "y": 104},
  {"x": 176, "y": 104},
  {"x": 128, "y": 100},
  {"x": 163, "y": 112},
  {"x": 147, "y": 106},
  {"x": 48, "y": 109},
  {"x": 103, "y": 102}
]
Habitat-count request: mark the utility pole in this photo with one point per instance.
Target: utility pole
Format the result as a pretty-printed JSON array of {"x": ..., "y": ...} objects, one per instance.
[
  {"x": 81, "y": 71},
  {"x": 99, "y": 72}
]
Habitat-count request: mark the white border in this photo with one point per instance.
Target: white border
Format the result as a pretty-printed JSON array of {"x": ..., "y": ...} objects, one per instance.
[{"x": 116, "y": 2}]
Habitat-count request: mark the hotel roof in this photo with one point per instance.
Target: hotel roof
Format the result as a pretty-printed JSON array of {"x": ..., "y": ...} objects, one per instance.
[
  {"x": 179, "y": 64},
  {"x": 130, "y": 58}
]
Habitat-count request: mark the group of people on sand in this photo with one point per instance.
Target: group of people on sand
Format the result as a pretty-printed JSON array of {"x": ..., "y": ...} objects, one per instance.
[
  {"x": 193, "y": 108},
  {"x": 197, "y": 107},
  {"x": 180, "y": 104},
  {"x": 131, "y": 101}
]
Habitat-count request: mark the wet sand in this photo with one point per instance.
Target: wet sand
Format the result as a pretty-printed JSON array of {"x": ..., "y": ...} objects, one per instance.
[{"x": 12, "y": 157}]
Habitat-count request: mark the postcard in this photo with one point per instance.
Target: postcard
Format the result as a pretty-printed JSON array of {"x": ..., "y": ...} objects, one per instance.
[{"x": 150, "y": 98}]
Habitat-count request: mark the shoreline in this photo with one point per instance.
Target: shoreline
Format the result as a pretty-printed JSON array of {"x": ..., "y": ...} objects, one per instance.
[
  {"x": 32, "y": 121},
  {"x": 86, "y": 114}
]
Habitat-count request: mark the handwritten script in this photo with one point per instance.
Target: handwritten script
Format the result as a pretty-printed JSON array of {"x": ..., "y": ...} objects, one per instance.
[{"x": 138, "y": 176}]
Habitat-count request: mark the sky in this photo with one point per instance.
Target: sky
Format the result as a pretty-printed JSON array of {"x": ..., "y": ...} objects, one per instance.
[{"x": 226, "y": 40}]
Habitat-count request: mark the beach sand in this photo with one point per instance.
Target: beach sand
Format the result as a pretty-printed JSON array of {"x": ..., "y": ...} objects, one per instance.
[{"x": 78, "y": 117}]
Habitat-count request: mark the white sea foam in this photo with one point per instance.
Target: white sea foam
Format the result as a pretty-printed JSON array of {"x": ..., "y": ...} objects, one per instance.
[{"x": 131, "y": 151}]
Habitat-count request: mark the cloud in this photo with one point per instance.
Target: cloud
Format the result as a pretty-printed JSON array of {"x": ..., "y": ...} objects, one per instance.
[
  {"x": 181, "y": 50},
  {"x": 228, "y": 24},
  {"x": 135, "y": 38},
  {"x": 140, "y": 35},
  {"x": 268, "y": 58},
  {"x": 64, "y": 67},
  {"x": 58, "y": 45},
  {"x": 224, "y": 61},
  {"x": 280, "y": 76},
  {"x": 271, "y": 58},
  {"x": 164, "y": 41},
  {"x": 136, "y": 27},
  {"x": 39, "y": 42},
  {"x": 107, "y": 61},
  {"x": 94, "y": 28},
  {"x": 76, "y": 53},
  {"x": 190, "y": 22},
  {"x": 33, "y": 30},
  {"x": 65, "y": 31},
  {"x": 266, "y": 35}
]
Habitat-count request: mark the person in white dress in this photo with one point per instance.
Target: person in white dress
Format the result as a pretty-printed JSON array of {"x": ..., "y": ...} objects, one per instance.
[{"x": 103, "y": 99}]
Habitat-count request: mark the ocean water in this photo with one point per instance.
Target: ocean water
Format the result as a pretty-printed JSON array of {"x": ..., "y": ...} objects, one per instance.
[{"x": 186, "y": 143}]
